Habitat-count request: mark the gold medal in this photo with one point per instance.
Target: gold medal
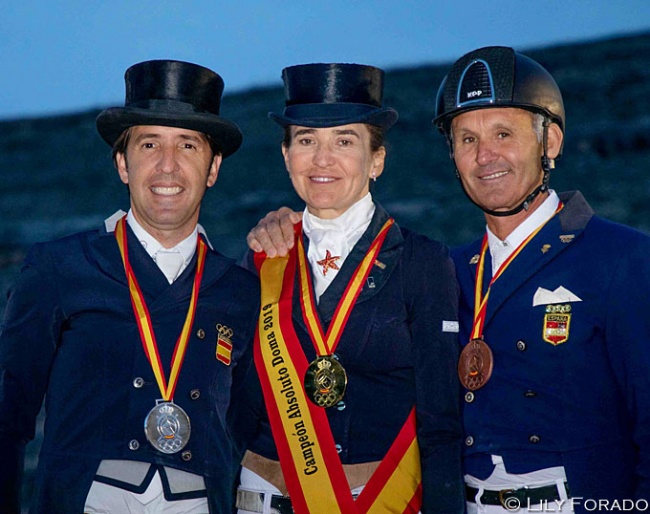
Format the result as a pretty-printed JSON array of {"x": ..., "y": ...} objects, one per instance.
[
  {"x": 475, "y": 364},
  {"x": 167, "y": 427},
  {"x": 325, "y": 381}
]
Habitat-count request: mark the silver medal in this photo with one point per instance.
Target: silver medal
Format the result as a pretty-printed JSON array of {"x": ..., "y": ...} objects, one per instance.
[{"x": 167, "y": 427}]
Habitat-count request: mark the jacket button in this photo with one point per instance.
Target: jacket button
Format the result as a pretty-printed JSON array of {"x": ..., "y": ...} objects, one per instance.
[
  {"x": 469, "y": 441},
  {"x": 340, "y": 405},
  {"x": 186, "y": 456},
  {"x": 530, "y": 394},
  {"x": 195, "y": 394},
  {"x": 200, "y": 333},
  {"x": 469, "y": 397},
  {"x": 134, "y": 444},
  {"x": 339, "y": 448},
  {"x": 138, "y": 382},
  {"x": 534, "y": 439},
  {"x": 521, "y": 345}
]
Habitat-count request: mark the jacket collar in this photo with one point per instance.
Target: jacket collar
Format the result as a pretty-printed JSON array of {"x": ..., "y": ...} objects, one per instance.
[
  {"x": 379, "y": 274},
  {"x": 562, "y": 231},
  {"x": 104, "y": 253}
]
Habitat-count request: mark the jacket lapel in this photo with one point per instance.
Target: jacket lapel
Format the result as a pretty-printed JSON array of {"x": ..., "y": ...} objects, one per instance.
[
  {"x": 103, "y": 249},
  {"x": 553, "y": 239},
  {"x": 379, "y": 273}
]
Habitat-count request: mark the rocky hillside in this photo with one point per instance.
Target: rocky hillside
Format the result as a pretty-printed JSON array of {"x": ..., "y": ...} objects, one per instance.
[{"x": 57, "y": 175}]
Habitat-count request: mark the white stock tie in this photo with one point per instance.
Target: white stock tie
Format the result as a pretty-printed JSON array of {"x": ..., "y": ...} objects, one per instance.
[{"x": 170, "y": 263}]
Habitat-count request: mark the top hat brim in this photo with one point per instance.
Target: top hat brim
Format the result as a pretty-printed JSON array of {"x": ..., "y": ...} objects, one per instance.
[
  {"x": 323, "y": 115},
  {"x": 113, "y": 121}
]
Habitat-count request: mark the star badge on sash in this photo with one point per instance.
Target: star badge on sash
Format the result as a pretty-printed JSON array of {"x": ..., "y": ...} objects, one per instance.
[{"x": 328, "y": 262}]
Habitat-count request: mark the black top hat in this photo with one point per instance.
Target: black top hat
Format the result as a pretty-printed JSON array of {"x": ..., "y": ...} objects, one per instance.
[
  {"x": 329, "y": 95},
  {"x": 172, "y": 94}
]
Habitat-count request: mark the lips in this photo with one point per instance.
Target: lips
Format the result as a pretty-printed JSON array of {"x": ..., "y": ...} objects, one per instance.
[
  {"x": 166, "y": 191},
  {"x": 322, "y": 180},
  {"x": 493, "y": 176}
]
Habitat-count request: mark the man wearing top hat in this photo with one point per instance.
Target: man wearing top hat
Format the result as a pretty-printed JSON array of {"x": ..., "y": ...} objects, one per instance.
[{"x": 138, "y": 333}]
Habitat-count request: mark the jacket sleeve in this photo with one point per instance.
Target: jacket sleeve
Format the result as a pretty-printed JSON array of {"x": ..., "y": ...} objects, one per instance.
[
  {"x": 628, "y": 342},
  {"x": 432, "y": 300},
  {"x": 247, "y": 403},
  {"x": 28, "y": 340}
]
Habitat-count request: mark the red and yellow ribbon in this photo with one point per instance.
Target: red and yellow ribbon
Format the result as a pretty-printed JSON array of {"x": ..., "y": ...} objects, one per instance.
[
  {"x": 480, "y": 302},
  {"x": 143, "y": 317},
  {"x": 325, "y": 344}
]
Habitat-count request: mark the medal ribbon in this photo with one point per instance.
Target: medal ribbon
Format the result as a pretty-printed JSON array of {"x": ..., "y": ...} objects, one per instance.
[
  {"x": 480, "y": 304},
  {"x": 310, "y": 463},
  {"x": 325, "y": 344},
  {"x": 143, "y": 317}
]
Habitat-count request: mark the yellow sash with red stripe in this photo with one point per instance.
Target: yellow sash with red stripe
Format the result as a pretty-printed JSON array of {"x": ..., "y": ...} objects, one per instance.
[{"x": 310, "y": 463}]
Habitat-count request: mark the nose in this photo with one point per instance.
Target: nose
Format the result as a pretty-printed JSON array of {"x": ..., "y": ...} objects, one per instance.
[
  {"x": 168, "y": 162},
  {"x": 323, "y": 156},
  {"x": 485, "y": 153}
]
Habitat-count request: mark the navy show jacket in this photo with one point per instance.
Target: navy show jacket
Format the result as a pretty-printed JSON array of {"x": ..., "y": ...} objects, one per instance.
[
  {"x": 583, "y": 403},
  {"x": 70, "y": 334},
  {"x": 397, "y": 355}
]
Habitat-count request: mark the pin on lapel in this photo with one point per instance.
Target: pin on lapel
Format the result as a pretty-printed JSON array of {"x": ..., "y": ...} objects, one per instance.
[
  {"x": 380, "y": 264},
  {"x": 546, "y": 248},
  {"x": 567, "y": 238},
  {"x": 224, "y": 344},
  {"x": 474, "y": 259}
]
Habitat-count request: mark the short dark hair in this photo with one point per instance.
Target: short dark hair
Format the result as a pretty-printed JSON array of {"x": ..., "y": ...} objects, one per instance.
[{"x": 122, "y": 143}]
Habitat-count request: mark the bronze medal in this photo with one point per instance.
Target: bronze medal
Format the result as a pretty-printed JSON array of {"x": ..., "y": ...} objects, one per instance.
[
  {"x": 325, "y": 381},
  {"x": 475, "y": 364},
  {"x": 167, "y": 427}
]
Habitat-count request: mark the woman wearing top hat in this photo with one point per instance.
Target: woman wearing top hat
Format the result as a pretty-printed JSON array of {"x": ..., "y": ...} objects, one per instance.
[{"x": 354, "y": 407}]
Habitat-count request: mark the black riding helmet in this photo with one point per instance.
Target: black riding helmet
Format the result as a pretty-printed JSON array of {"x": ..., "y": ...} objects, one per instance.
[{"x": 497, "y": 76}]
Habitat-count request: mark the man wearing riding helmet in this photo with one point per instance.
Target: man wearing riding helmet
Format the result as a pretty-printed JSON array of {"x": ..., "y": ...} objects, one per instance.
[
  {"x": 556, "y": 356},
  {"x": 554, "y": 308}
]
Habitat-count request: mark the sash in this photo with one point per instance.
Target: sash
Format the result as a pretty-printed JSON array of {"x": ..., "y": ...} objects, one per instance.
[{"x": 310, "y": 463}]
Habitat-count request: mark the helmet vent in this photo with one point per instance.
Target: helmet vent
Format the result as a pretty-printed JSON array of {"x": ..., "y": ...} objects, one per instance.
[{"x": 475, "y": 85}]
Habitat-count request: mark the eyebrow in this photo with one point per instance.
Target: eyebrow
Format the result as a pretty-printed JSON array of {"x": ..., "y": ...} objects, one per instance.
[
  {"x": 156, "y": 135},
  {"x": 347, "y": 132},
  {"x": 342, "y": 132}
]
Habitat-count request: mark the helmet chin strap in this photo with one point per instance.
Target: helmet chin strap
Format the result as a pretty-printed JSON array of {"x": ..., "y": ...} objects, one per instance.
[
  {"x": 523, "y": 206},
  {"x": 547, "y": 165}
]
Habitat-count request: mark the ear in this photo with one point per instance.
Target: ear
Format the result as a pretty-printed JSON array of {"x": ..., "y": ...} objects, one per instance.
[
  {"x": 285, "y": 154},
  {"x": 554, "y": 140},
  {"x": 378, "y": 161},
  {"x": 122, "y": 169},
  {"x": 213, "y": 171}
]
